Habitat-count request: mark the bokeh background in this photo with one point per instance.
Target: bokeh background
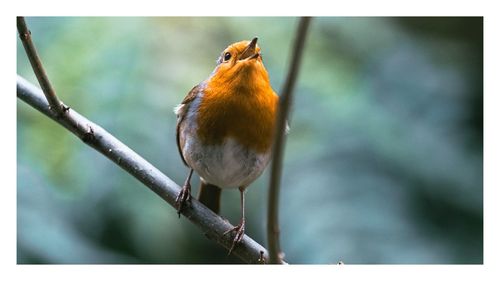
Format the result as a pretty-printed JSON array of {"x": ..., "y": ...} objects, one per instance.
[{"x": 383, "y": 163}]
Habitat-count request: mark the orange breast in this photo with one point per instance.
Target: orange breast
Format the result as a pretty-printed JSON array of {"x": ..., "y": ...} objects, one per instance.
[{"x": 244, "y": 109}]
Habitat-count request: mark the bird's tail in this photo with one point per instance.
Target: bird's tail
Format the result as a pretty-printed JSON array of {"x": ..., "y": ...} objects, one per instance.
[{"x": 209, "y": 195}]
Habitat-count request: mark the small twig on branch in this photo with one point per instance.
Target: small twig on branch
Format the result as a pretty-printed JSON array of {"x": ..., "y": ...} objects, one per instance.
[
  {"x": 36, "y": 64},
  {"x": 212, "y": 225},
  {"x": 286, "y": 98}
]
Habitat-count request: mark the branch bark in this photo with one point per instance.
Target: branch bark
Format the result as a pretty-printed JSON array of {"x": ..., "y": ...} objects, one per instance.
[
  {"x": 286, "y": 99},
  {"x": 212, "y": 225}
]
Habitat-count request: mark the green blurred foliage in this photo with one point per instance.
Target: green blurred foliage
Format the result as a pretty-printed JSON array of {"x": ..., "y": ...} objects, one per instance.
[{"x": 383, "y": 162}]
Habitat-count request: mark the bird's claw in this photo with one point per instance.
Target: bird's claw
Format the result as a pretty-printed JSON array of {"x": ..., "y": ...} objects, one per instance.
[
  {"x": 240, "y": 232},
  {"x": 183, "y": 197}
]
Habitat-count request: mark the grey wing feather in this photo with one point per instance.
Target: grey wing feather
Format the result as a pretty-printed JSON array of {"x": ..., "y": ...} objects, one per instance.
[{"x": 181, "y": 111}]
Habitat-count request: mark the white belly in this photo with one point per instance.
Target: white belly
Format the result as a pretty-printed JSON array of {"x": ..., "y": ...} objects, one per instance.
[{"x": 228, "y": 165}]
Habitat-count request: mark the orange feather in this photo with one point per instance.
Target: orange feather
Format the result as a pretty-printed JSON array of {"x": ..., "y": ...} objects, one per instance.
[{"x": 241, "y": 106}]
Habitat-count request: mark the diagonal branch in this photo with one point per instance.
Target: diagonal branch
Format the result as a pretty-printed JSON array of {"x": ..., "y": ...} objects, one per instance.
[
  {"x": 275, "y": 255},
  {"x": 212, "y": 225},
  {"x": 36, "y": 64}
]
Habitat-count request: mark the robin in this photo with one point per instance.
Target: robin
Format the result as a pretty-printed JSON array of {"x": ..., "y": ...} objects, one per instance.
[{"x": 225, "y": 128}]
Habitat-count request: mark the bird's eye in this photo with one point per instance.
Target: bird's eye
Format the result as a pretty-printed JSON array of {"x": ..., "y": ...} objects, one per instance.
[{"x": 227, "y": 56}]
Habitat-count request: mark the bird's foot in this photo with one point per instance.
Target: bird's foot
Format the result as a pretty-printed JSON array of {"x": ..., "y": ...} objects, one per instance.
[
  {"x": 183, "y": 198},
  {"x": 240, "y": 232}
]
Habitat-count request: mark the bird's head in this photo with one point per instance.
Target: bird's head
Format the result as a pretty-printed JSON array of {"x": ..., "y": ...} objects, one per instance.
[{"x": 240, "y": 62}]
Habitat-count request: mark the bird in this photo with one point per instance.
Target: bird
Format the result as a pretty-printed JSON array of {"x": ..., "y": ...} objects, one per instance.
[{"x": 225, "y": 129}]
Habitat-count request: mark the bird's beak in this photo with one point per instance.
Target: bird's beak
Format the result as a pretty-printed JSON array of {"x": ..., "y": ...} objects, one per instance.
[{"x": 249, "y": 52}]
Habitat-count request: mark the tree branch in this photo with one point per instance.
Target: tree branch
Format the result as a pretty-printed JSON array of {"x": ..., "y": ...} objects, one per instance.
[
  {"x": 212, "y": 225},
  {"x": 36, "y": 64},
  {"x": 286, "y": 98}
]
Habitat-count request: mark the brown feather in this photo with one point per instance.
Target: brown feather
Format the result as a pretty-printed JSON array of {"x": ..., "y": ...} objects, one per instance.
[{"x": 210, "y": 195}]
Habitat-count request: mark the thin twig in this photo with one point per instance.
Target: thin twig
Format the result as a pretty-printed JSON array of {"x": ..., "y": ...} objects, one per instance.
[
  {"x": 36, "y": 64},
  {"x": 212, "y": 225},
  {"x": 275, "y": 254}
]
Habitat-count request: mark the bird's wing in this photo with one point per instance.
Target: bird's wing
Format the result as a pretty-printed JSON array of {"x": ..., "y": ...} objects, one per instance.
[{"x": 181, "y": 112}]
